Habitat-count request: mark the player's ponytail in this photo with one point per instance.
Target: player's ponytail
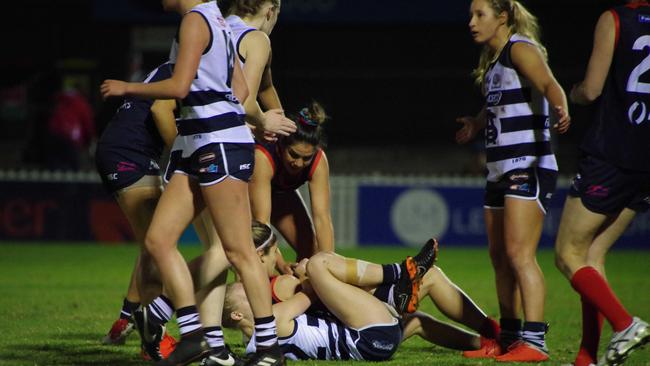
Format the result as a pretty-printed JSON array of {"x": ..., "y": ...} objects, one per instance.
[
  {"x": 520, "y": 21},
  {"x": 309, "y": 123}
]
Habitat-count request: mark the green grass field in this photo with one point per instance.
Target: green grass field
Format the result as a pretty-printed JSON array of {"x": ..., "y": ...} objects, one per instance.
[{"x": 57, "y": 302}]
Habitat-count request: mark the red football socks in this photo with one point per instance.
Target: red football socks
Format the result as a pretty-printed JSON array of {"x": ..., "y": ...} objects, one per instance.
[{"x": 593, "y": 287}]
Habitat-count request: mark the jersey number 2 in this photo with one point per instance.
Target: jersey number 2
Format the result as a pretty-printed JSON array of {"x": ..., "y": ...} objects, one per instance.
[
  {"x": 633, "y": 83},
  {"x": 637, "y": 113}
]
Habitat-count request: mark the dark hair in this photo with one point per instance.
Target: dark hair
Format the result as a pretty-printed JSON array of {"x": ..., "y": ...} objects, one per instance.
[
  {"x": 243, "y": 8},
  {"x": 309, "y": 123},
  {"x": 263, "y": 234}
]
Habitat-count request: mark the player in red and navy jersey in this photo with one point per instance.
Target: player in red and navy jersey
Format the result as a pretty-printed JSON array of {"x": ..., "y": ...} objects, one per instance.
[
  {"x": 127, "y": 158},
  {"x": 282, "y": 167},
  {"x": 613, "y": 180}
]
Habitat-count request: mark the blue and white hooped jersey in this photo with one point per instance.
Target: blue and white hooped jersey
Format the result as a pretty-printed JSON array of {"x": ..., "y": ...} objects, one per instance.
[
  {"x": 517, "y": 133},
  {"x": 211, "y": 113},
  {"x": 239, "y": 30},
  {"x": 315, "y": 338}
]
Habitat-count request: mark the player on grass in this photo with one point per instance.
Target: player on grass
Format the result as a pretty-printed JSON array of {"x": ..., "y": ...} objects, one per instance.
[
  {"x": 522, "y": 171},
  {"x": 303, "y": 343},
  {"x": 210, "y": 164},
  {"x": 613, "y": 180},
  {"x": 280, "y": 169},
  {"x": 351, "y": 323}
]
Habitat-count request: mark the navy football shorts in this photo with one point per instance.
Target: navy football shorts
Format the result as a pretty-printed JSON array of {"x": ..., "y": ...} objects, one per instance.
[
  {"x": 535, "y": 184},
  {"x": 606, "y": 189},
  {"x": 119, "y": 167},
  {"x": 212, "y": 163},
  {"x": 379, "y": 342}
]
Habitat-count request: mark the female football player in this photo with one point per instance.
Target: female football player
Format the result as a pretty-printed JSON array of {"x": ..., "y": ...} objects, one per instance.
[
  {"x": 613, "y": 180},
  {"x": 252, "y": 21},
  {"x": 210, "y": 164},
  {"x": 522, "y": 171},
  {"x": 282, "y": 167}
]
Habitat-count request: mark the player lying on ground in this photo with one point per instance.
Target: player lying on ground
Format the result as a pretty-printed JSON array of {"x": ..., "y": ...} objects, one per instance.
[{"x": 344, "y": 286}]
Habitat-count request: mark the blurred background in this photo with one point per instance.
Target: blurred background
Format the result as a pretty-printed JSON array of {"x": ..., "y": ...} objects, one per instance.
[{"x": 393, "y": 75}]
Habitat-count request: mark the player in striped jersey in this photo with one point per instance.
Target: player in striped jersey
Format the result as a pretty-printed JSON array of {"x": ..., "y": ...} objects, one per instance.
[
  {"x": 312, "y": 336},
  {"x": 210, "y": 164},
  {"x": 280, "y": 169},
  {"x": 522, "y": 171},
  {"x": 613, "y": 180},
  {"x": 252, "y": 21}
]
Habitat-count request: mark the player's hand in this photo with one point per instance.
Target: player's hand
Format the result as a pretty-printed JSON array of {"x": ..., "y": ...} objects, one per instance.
[
  {"x": 300, "y": 269},
  {"x": 276, "y": 123},
  {"x": 468, "y": 131},
  {"x": 113, "y": 88},
  {"x": 285, "y": 267},
  {"x": 563, "y": 119}
]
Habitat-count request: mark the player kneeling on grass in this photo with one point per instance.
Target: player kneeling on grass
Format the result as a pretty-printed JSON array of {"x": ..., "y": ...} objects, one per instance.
[{"x": 346, "y": 311}]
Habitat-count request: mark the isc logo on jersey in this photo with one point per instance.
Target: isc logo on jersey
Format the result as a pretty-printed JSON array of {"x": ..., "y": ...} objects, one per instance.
[{"x": 245, "y": 166}]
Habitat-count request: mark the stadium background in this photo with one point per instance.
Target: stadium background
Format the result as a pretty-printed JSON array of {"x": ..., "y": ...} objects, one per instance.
[{"x": 392, "y": 75}]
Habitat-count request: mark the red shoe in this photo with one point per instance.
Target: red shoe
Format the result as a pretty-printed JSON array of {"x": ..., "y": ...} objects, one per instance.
[
  {"x": 119, "y": 331},
  {"x": 167, "y": 346},
  {"x": 490, "y": 348},
  {"x": 521, "y": 351}
]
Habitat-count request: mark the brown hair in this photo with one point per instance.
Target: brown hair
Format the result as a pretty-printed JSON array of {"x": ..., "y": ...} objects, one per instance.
[
  {"x": 309, "y": 123},
  {"x": 520, "y": 21}
]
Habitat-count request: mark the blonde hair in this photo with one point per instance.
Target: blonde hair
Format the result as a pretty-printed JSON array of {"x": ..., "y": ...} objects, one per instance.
[{"x": 520, "y": 21}]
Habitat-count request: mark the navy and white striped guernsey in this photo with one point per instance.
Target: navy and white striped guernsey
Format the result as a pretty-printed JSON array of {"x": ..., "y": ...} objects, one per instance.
[
  {"x": 239, "y": 30},
  {"x": 517, "y": 133},
  {"x": 210, "y": 113},
  {"x": 314, "y": 338}
]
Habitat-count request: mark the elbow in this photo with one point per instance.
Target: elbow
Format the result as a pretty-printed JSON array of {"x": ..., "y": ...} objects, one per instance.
[
  {"x": 181, "y": 93},
  {"x": 591, "y": 95}
]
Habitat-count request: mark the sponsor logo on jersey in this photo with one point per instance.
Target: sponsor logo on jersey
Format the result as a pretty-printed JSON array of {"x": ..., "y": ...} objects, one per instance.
[
  {"x": 206, "y": 157},
  {"x": 643, "y": 18},
  {"x": 112, "y": 176},
  {"x": 245, "y": 166},
  {"x": 231, "y": 97},
  {"x": 494, "y": 98},
  {"x": 125, "y": 166},
  {"x": 496, "y": 81},
  {"x": 212, "y": 168}
]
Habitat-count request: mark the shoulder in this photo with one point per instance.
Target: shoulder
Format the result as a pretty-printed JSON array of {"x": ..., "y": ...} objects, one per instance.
[
  {"x": 320, "y": 165},
  {"x": 525, "y": 51},
  {"x": 255, "y": 41},
  {"x": 264, "y": 158},
  {"x": 285, "y": 286}
]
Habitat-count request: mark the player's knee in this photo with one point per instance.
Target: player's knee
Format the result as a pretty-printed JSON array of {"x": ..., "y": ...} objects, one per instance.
[
  {"x": 241, "y": 257},
  {"x": 154, "y": 244},
  {"x": 317, "y": 264}
]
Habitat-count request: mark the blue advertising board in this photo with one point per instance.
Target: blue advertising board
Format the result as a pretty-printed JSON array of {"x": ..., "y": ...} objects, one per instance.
[{"x": 409, "y": 214}]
